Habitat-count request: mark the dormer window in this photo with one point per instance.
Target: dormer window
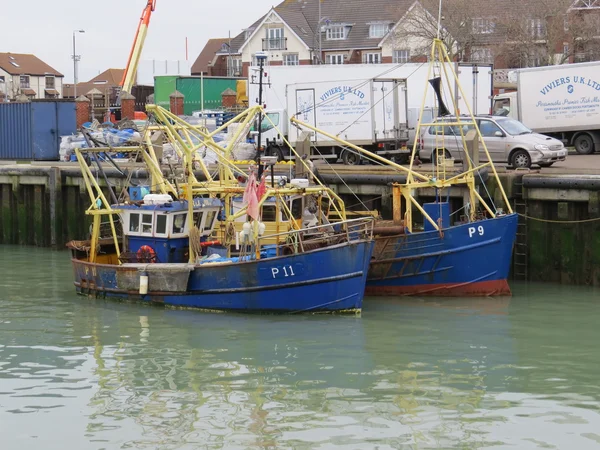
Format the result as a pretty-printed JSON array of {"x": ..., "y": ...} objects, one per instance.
[
  {"x": 378, "y": 30},
  {"x": 336, "y": 32},
  {"x": 483, "y": 26}
]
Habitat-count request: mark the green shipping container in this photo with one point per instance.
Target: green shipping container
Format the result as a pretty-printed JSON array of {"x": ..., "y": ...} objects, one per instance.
[
  {"x": 190, "y": 87},
  {"x": 164, "y": 86}
]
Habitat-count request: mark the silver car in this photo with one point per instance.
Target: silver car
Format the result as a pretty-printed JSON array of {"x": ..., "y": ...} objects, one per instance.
[{"x": 506, "y": 139}]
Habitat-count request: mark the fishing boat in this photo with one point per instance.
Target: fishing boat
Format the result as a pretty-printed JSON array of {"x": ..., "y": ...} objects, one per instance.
[
  {"x": 166, "y": 251},
  {"x": 439, "y": 251}
]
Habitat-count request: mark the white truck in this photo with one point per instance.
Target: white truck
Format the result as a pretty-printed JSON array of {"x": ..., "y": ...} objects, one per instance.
[
  {"x": 561, "y": 101},
  {"x": 375, "y": 106}
]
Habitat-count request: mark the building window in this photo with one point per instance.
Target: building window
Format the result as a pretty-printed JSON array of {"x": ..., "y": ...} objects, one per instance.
[
  {"x": 372, "y": 58},
  {"x": 481, "y": 55},
  {"x": 234, "y": 67},
  {"x": 378, "y": 30},
  {"x": 483, "y": 26},
  {"x": 536, "y": 28},
  {"x": 334, "y": 59},
  {"x": 24, "y": 79},
  {"x": 275, "y": 39},
  {"x": 336, "y": 32},
  {"x": 50, "y": 82},
  {"x": 291, "y": 59},
  {"x": 401, "y": 56}
]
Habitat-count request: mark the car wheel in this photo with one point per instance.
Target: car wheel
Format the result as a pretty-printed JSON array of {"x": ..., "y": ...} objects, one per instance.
[
  {"x": 350, "y": 158},
  {"x": 548, "y": 164},
  {"x": 584, "y": 145},
  {"x": 521, "y": 160},
  {"x": 434, "y": 156}
]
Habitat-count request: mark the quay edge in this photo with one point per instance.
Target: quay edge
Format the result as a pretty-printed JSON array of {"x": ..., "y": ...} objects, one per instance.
[{"x": 44, "y": 205}]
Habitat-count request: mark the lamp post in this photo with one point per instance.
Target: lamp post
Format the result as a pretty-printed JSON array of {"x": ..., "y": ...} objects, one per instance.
[
  {"x": 76, "y": 58},
  {"x": 261, "y": 57}
]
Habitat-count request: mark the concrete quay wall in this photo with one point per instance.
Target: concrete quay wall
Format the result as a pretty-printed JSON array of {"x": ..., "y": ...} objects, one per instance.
[{"x": 559, "y": 231}]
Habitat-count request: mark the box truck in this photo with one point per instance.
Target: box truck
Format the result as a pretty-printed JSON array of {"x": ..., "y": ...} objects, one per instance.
[
  {"x": 375, "y": 106},
  {"x": 561, "y": 101}
]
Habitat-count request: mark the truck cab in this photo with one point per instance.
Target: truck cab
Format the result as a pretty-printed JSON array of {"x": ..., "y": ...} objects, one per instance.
[{"x": 506, "y": 105}]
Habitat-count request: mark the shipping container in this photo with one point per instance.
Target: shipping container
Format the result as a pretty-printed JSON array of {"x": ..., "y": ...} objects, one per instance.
[
  {"x": 32, "y": 130},
  {"x": 195, "y": 97}
]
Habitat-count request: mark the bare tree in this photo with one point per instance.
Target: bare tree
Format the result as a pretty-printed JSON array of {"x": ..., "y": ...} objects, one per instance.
[
  {"x": 548, "y": 33},
  {"x": 419, "y": 26},
  {"x": 9, "y": 89}
]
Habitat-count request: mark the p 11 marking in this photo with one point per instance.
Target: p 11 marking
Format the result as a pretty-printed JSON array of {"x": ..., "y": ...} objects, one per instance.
[{"x": 288, "y": 271}]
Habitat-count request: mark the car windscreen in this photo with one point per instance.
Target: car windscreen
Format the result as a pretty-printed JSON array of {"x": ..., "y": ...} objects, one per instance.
[{"x": 513, "y": 127}]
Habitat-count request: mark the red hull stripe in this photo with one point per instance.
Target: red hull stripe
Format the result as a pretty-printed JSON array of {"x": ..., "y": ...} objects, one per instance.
[{"x": 477, "y": 289}]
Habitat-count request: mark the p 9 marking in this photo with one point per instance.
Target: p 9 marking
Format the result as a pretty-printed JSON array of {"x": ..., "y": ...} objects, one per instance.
[{"x": 476, "y": 231}]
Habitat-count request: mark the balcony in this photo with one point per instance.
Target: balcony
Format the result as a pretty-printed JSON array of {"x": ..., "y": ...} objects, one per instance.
[{"x": 274, "y": 44}]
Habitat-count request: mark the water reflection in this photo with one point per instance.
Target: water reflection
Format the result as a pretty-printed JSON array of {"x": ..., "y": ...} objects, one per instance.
[{"x": 408, "y": 373}]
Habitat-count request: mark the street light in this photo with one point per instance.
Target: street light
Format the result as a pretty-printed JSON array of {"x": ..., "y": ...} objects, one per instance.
[
  {"x": 261, "y": 58},
  {"x": 76, "y": 58}
]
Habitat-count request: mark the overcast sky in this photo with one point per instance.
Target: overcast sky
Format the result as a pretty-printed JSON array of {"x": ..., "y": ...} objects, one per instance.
[{"x": 45, "y": 28}]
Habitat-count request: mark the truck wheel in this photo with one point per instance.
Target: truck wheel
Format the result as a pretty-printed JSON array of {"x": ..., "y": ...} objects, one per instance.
[
  {"x": 434, "y": 156},
  {"x": 350, "y": 158},
  {"x": 521, "y": 160},
  {"x": 584, "y": 144},
  {"x": 274, "y": 151}
]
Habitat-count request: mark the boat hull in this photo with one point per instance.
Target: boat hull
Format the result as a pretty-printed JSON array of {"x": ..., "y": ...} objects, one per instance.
[
  {"x": 464, "y": 260},
  {"x": 324, "y": 280}
]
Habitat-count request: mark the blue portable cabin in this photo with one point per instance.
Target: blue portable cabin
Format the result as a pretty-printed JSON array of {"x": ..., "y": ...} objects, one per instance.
[{"x": 159, "y": 229}]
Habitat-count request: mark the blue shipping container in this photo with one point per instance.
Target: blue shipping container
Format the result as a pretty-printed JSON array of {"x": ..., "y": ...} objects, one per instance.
[{"x": 32, "y": 131}]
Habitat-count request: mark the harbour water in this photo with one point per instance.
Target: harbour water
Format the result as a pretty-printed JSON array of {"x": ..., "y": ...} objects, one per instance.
[{"x": 77, "y": 373}]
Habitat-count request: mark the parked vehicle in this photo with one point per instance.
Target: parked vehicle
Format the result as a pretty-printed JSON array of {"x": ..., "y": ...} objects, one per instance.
[
  {"x": 384, "y": 123},
  {"x": 506, "y": 139},
  {"x": 560, "y": 101},
  {"x": 373, "y": 115}
]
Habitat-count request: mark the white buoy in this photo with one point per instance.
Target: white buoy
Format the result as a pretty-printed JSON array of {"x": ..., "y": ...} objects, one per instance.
[
  {"x": 261, "y": 228},
  {"x": 237, "y": 241},
  {"x": 143, "y": 283}
]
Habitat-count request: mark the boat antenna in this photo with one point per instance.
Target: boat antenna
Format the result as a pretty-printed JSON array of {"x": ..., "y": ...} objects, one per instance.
[{"x": 439, "y": 24}]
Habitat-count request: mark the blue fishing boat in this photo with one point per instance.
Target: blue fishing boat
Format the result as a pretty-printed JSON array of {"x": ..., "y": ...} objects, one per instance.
[
  {"x": 442, "y": 252},
  {"x": 180, "y": 247}
]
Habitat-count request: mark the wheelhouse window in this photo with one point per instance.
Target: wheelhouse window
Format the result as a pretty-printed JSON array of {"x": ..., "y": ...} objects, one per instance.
[
  {"x": 134, "y": 223},
  {"x": 269, "y": 213},
  {"x": 209, "y": 220},
  {"x": 179, "y": 223},
  {"x": 297, "y": 208},
  {"x": 147, "y": 223},
  {"x": 161, "y": 224}
]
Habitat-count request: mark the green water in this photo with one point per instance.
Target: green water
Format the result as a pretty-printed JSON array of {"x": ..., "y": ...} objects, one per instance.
[{"x": 77, "y": 373}]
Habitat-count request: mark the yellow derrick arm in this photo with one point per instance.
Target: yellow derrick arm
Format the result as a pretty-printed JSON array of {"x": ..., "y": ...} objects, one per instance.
[{"x": 97, "y": 210}]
